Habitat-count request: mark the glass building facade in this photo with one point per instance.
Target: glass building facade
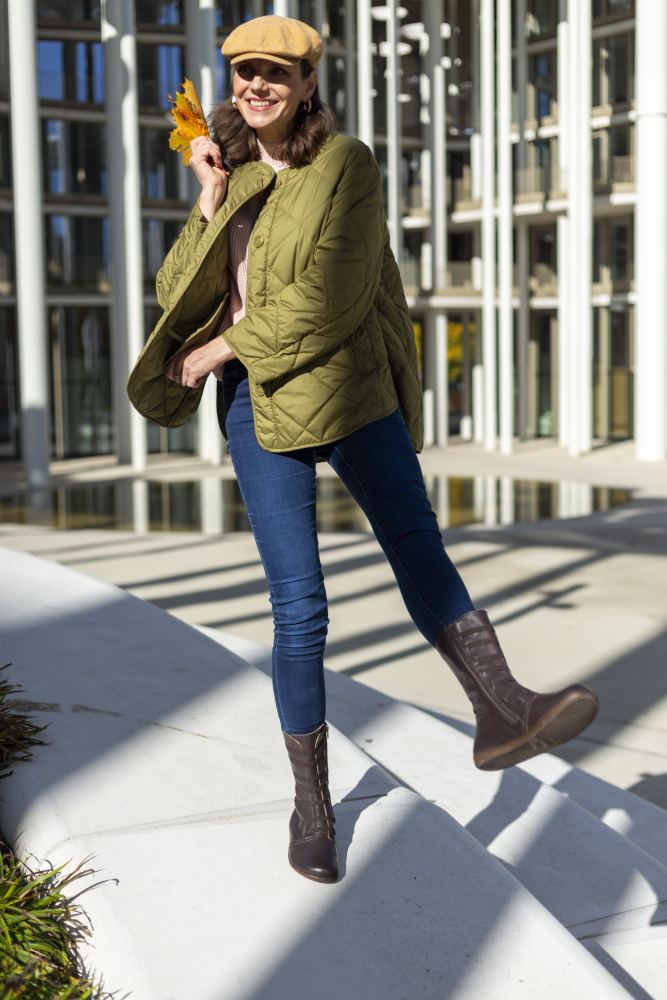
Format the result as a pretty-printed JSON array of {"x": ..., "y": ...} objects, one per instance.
[{"x": 441, "y": 260}]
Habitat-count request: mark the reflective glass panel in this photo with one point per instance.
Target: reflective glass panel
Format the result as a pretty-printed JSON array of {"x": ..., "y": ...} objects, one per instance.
[
  {"x": 70, "y": 72},
  {"x": 6, "y": 254},
  {"x": 4, "y": 53},
  {"x": 160, "y": 72},
  {"x": 158, "y": 237},
  {"x": 5, "y": 153},
  {"x": 68, "y": 10},
  {"x": 163, "y": 175},
  {"x": 9, "y": 386},
  {"x": 74, "y": 157},
  {"x": 230, "y": 13},
  {"x": 81, "y": 421},
  {"x": 150, "y": 13},
  {"x": 78, "y": 255}
]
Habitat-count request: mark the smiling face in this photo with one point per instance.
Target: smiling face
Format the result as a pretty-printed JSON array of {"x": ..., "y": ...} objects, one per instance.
[{"x": 268, "y": 95}]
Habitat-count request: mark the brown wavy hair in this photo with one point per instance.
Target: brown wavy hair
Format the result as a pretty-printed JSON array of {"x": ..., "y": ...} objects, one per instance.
[{"x": 238, "y": 140}]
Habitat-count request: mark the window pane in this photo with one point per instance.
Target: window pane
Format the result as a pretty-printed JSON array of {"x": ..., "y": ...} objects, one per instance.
[
  {"x": 162, "y": 174},
  {"x": 230, "y": 13},
  {"x": 620, "y": 68},
  {"x": 153, "y": 12},
  {"x": 619, "y": 239},
  {"x": 9, "y": 386},
  {"x": 77, "y": 249},
  {"x": 158, "y": 237},
  {"x": 6, "y": 254},
  {"x": 5, "y": 153},
  {"x": 74, "y": 157},
  {"x": 72, "y": 72},
  {"x": 620, "y": 357},
  {"x": 81, "y": 407},
  {"x": 541, "y": 17},
  {"x": 4, "y": 53},
  {"x": 543, "y": 74},
  {"x": 68, "y": 10},
  {"x": 160, "y": 72}
]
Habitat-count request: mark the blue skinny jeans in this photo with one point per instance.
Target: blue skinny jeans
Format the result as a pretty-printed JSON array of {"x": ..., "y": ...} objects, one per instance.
[{"x": 379, "y": 467}]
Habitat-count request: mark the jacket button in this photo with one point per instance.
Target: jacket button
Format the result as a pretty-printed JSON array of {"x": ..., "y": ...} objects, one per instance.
[{"x": 259, "y": 240}]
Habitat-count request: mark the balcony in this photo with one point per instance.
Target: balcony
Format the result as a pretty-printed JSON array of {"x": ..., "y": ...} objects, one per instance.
[
  {"x": 456, "y": 279},
  {"x": 413, "y": 204},
  {"x": 612, "y": 281},
  {"x": 538, "y": 183},
  {"x": 615, "y": 174},
  {"x": 543, "y": 280},
  {"x": 459, "y": 193},
  {"x": 410, "y": 271}
]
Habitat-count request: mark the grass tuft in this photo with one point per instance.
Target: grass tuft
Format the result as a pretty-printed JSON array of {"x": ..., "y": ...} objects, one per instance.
[{"x": 41, "y": 927}]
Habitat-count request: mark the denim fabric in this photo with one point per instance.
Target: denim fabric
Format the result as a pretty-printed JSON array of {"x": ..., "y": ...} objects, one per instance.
[{"x": 379, "y": 467}]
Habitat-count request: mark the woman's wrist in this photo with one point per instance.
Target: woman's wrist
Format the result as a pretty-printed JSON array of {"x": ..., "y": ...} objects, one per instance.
[{"x": 210, "y": 201}]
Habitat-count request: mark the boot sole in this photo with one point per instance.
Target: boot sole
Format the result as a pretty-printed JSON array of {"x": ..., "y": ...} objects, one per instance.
[
  {"x": 315, "y": 878},
  {"x": 560, "y": 725}
]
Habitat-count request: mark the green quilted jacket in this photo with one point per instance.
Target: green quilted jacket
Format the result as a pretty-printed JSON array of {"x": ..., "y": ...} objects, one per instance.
[{"x": 327, "y": 337}]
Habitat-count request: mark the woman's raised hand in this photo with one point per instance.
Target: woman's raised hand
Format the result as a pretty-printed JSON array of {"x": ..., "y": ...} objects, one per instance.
[{"x": 206, "y": 162}]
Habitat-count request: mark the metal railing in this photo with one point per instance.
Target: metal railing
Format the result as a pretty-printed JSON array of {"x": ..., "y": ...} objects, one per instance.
[{"x": 616, "y": 170}]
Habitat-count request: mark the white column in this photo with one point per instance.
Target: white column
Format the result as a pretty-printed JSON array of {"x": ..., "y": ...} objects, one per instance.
[
  {"x": 127, "y": 311},
  {"x": 286, "y": 8},
  {"x": 475, "y": 138},
  {"x": 200, "y": 60},
  {"x": 322, "y": 25},
  {"x": 478, "y": 384},
  {"x": 393, "y": 133},
  {"x": 466, "y": 416},
  {"x": 506, "y": 313},
  {"x": 651, "y": 232},
  {"x": 436, "y": 377},
  {"x": 523, "y": 255},
  {"x": 562, "y": 232},
  {"x": 581, "y": 231},
  {"x": 350, "y": 76},
  {"x": 29, "y": 244},
  {"x": 488, "y": 225},
  {"x": 436, "y": 138},
  {"x": 211, "y": 506},
  {"x": 364, "y": 73}
]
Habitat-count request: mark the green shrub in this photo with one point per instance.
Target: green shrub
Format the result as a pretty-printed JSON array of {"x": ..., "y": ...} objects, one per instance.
[{"x": 40, "y": 926}]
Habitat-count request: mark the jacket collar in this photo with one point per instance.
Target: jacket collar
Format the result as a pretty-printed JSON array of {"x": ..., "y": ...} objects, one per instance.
[{"x": 246, "y": 180}]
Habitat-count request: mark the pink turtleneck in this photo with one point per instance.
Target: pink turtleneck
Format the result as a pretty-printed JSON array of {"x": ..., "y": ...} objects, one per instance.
[{"x": 239, "y": 229}]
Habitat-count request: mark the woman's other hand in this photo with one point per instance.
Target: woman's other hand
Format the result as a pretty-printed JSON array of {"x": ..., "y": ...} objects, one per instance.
[
  {"x": 206, "y": 162},
  {"x": 191, "y": 367}
]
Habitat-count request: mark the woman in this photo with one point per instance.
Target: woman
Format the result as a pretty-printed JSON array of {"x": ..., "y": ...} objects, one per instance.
[{"x": 316, "y": 361}]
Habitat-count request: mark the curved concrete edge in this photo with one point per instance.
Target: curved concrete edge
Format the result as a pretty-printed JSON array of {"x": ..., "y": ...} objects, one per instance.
[
  {"x": 637, "y": 819},
  {"x": 187, "y": 863},
  {"x": 599, "y": 884}
]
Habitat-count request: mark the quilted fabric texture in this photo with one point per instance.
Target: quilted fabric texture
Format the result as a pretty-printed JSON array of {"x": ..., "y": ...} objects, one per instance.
[{"x": 327, "y": 337}]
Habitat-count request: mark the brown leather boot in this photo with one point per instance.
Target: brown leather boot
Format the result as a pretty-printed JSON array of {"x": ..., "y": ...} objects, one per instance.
[
  {"x": 312, "y": 849},
  {"x": 513, "y": 722}
]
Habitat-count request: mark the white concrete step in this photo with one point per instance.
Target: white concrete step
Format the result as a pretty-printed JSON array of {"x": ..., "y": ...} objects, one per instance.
[
  {"x": 165, "y": 759},
  {"x": 609, "y": 892}
]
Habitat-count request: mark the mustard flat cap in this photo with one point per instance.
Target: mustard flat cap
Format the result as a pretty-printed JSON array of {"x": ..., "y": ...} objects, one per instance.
[{"x": 281, "y": 39}]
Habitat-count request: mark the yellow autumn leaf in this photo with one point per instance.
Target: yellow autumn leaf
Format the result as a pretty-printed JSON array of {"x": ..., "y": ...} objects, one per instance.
[{"x": 188, "y": 116}]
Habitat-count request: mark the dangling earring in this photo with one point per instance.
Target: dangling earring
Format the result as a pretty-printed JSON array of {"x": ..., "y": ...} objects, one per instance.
[
  {"x": 309, "y": 106},
  {"x": 234, "y": 103}
]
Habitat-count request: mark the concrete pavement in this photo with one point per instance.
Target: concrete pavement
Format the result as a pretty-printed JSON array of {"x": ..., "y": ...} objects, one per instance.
[{"x": 573, "y": 599}]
